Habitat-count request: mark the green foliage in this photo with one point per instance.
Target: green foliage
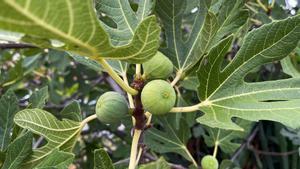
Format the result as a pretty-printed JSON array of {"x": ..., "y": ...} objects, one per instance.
[
  {"x": 227, "y": 95},
  {"x": 56, "y": 159},
  {"x": 224, "y": 65},
  {"x": 8, "y": 108},
  {"x": 208, "y": 26},
  {"x": 169, "y": 139},
  {"x": 72, "y": 112},
  {"x": 18, "y": 151},
  {"x": 161, "y": 163},
  {"x": 227, "y": 139},
  {"x": 102, "y": 160},
  {"x": 80, "y": 32},
  {"x": 60, "y": 135},
  {"x": 38, "y": 98}
]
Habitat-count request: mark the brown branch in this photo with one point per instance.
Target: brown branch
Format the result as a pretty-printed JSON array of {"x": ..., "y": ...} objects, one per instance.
[
  {"x": 15, "y": 46},
  {"x": 271, "y": 153}
]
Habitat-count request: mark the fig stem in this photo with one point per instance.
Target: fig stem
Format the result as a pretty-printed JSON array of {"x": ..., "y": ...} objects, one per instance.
[
  {"x": 177, "y": 77},
  {"x": 190, "y": 108},
  {"x": 138, "y": 70},
  {"x": 134, "y": 148},
  {"x": 149, "y": 118},
  {"x": 262, "y": 5},
  {"x": 88, "y": 119},
  {"x": 116, "y": 77},
  {"x": 216, "y": 144},
  {"x": 130, "y": 99},
  {"x": 185, "y": 109},
  {"x": 129, "y": 96}
]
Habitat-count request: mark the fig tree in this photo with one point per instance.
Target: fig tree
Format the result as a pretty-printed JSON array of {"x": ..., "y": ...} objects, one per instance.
[
  {"x": 111, "y": 107},
  {"x": 158, "y": 97},
  {"x": 209, "y": 162},
  {"x": 158, "y": 67}
]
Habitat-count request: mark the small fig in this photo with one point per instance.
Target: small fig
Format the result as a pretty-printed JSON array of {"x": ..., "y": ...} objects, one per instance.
[
  {"x": 209, "y": 162},
  {"x": 158, "y": 67},
  {"x": 158, "y": 97},
  {"x": 111, "y": 107}
]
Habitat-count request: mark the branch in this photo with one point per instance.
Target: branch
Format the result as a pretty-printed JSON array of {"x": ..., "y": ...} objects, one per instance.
[{"x": 15, "y": 46}]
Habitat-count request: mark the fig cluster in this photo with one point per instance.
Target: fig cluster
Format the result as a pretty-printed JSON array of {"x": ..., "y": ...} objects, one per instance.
[
  {"x": 158, "y": 97},
  {"x": 111, "y": 107}
]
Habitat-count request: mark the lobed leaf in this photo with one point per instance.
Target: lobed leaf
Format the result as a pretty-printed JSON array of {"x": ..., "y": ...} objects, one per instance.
[{"x": 225, "y": 94}]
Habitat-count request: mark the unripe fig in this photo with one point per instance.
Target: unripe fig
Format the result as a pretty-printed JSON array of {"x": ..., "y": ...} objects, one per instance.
[
  {"x": 158, "y": 67},
  {"x": 209, "y": 162},
  {"x": 158, "y": 97},
  {"x": 111, "y": 107}
]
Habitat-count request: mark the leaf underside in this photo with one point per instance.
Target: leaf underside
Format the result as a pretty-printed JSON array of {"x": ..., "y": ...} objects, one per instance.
[
  {"x": 60, "y": 135},
  {"x": 76, "y": 28}
]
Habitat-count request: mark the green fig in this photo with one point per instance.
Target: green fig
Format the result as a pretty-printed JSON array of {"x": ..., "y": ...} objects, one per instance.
[
  {"x": 158, "y": 97},
  {"x": 158, "y": 67},
  {"x": 209, "y": 162},
  {"x": 111, "y": 107}
]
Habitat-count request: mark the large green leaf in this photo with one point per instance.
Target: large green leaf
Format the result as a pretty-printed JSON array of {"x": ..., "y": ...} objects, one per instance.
[
  {"x": 74, "y": 26},
  {"x": 18, "y": 151},
  {"x": 56, "y": 160},
  {"x": 59, "y": 134},
  {"x": 205, "y": 27},
  {"x": 8, "y": 108},
  {"x": 169, "y": 139},
  {"x": 225, "y": 94}
]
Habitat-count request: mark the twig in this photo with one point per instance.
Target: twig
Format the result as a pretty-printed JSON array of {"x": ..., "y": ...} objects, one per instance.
[
  {"x": 114, "y": 85},
  {"x": 15, "y": 46},
  {"x": 248, "y": 141},
  {"x": 271, "y": 153}
]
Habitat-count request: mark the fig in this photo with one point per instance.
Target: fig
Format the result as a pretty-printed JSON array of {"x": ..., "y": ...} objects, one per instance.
[
  {"x": 111, "y": 107},
  {"x": 158, "y": 97},
  {"x": 209, "y": 162},
  {"x": 158, "y": 67}
]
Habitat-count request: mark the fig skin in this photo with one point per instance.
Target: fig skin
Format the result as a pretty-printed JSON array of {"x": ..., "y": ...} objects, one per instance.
[
  {"x": 111, "y": 107},
  {"x": 158, "y": 97},
  {"x": 158, "y": 67},
  {"x": 209, "y": 162}
]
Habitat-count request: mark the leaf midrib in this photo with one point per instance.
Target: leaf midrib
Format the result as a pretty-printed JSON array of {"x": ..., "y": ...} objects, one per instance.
[{"x": 250, "y": 93}]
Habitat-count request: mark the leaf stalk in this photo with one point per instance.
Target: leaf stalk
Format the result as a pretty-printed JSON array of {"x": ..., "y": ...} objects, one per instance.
[{"x": 117, "y": 78}]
